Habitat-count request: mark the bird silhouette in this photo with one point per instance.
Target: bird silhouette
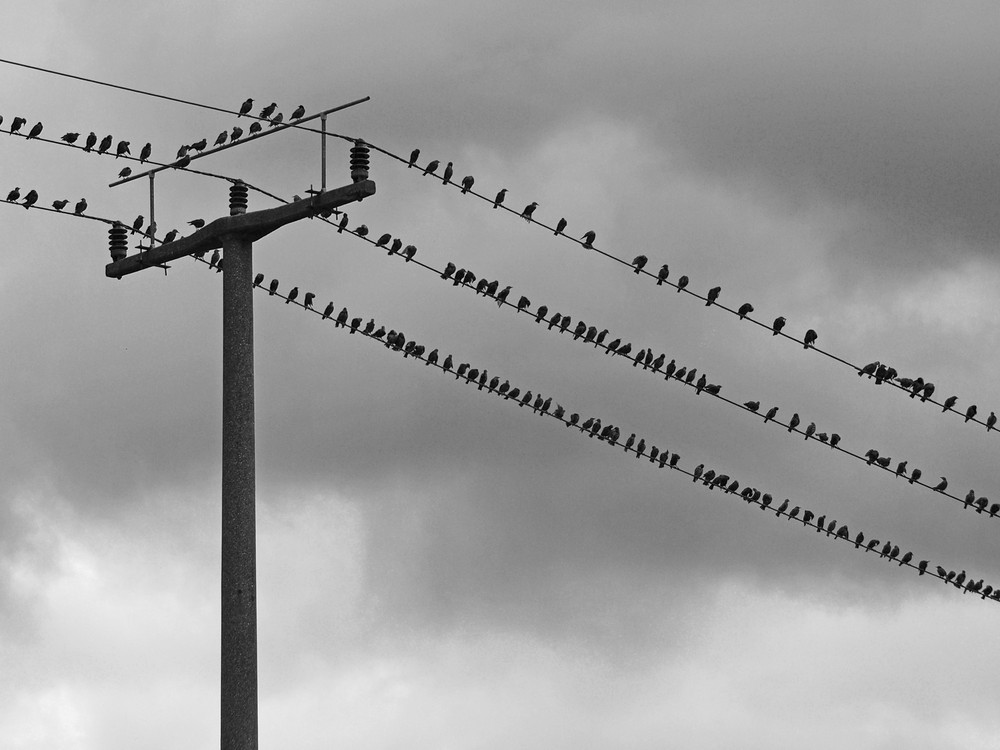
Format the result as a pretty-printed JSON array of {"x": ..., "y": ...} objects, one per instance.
[
  {"x": 409, "y": 251},
  {"x": 125, "y": 172},
  {"x": 523, "y": 303},
  {"x": 991, "y": 421},
  {"x": 770, "y": 414},
  {"x": 915, "y": 475},
  {"x": 59, "y": 205},
  {"x": 14, "y": 194},
  {"x": 182, "y": 162},
  {"x": 529, "y": 210},
  {"x": 793, "y": 422},
  {"x": 449, "y": 170},
  {"x": 30, "y": 199},
  {"x": 90, "y": 142},
  {"x": 105, "y": 144},
  {"x": 502, "y": 296},
  {"x": 16, "y": 124},
  {"x": 970, "y": 412},
  {"x": 810, "y": 430},
  {"x": 122, "y": 149},
  {"x": 810, "y": 339},
  {"x": 298, "y": 113},
  {"x": 588, "y": 239},
  {"x": 396, "y": 246},
  {"x": 258, "y": 279},
  {"x": 662, "y": 274},
  {"x": 70, "y": 137},
  {"x": 245, "y": 108},
  {"x": 431, "y": 166},
  {"x": 214, "y": 260},
  {"x": 499, "y": 198},
  {"x": 745, "y": 309},
  {"x": 942, "y": 485},
  {"x": 639, "y": 262},
  {"x": 236, "y": 134},
  {"x": 467, "y": 182},
  {"x": 383, "y": 241},
  {"x": 414, "y": 155},
  {"x": 35, "y": 131},
  {"x": 255, "y": 127},
  {"x": 81, "y": 206},
  {"x": 137, "y": 224},
  {"x": 778, "y": 324},
  {"x": 292, "y": 294},
  {"x": 901, "y": 469},
  {"x": 682, "y": 282},
  {"x": 560, "y": 226},
  {"x": 713, "y": 294},
  {"x": 928, "y": 391},
  {"x": 361, "y": 230}
]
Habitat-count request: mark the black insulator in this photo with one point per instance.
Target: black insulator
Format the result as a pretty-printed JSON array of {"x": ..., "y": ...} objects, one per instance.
[
  {"x": 118, "y": 241},
  {"x": 238, "y": 198},
  {"x": 359, "y": 161}
]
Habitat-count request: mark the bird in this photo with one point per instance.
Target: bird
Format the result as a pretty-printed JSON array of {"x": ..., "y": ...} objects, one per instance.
[
  {"x": 273, "y": 287},
  {"x": 448, "y": 270},
  {"x": 915, "y": 475},
  {"x": 361, "y": 230},
  {"x": 449, "y": 170},
  {"x": 298, "y": 113},
  {"x": 396, "y": 246},
  {"x": 214, "y": 260},
  {"x": 529, "y": 210},
  {"x": 970, "y": 412},
  {"x": 125, "y": 172},
  {"x": 236, "y": 134},
  {"x": 778, "y": 324},
  {"x": 745, "y": 309},
  {"x": 682, "y": 282},
  {"x": 970, "y": 498},
  {"x": 942, "y": 485},
  {"x": 588, "y": 239},
  {"x": 810, "y": 339},
  {"x": 431, "y": 166},
  {"x": 182, "y": 162},
  {"x": 197, "y": 223},
  {"x": 292, "y": 294},
  {"x": 30, "y": 199},
  {"x": 36, "y": 130},
  {"x": 662, "y": 274},
  {"x": 268, "y": 110},
  {"x": 91, "y": 141},
  {"x": 81, "y": 206},
  {"x": 502, "y": 296},
  {"x": 70, "y": 137},
  {"x": 409, "y": 251},
  {"x": 752, "y": 405},
  {"x": 220, "y": 138},
  {"x": 770, "y": 414},
  {"x": 245, "y": 108},
  {"x": 383, "y": 241},
  {"x": 326, "y": 313},
  {"x": 810, "y": 430},
  {"x": 137, "y": 224},
  {"x": 467, "y": 183},
  {"x": 105, "y": 144},
  {"x": 255, "y": 127},
  {"x": 342, "y": 224},
  {"x": 834, "y": 439},
  {"x": 713, "y": 294},
  {"x": 59, "y": 205},
  {"x": 14, "y": 194},
  {"x": 414, "y": 155},
  {"x": 901, "y": 469},
  {"x": 499, "y": 198},
  {"x": 523, "y": 303},
  {"x": 277, "y": 120},
  {"x": 560, "y": 226},
  {"x": 122, "y": 149},
  {"x": 991, "y": 421},
  {"x": 16, "y": 124},
  {"x": 793, "y": 422},
  {"x": 927, "y": 392}
]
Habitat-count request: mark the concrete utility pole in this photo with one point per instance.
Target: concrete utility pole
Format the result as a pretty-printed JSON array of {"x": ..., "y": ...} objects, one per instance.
[{"x": 235, "y": 234}]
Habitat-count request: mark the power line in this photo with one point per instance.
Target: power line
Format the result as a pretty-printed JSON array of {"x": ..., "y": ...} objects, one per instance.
[
  {"x": 611, "y": 436},
  {"x": 678, "y": 375}
]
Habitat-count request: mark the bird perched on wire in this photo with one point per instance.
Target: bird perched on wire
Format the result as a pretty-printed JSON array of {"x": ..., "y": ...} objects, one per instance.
[
  {"x": 273, "y": 287},
  {"x": 182, "y": 162},
  {"x": 810, "y": 339},
  {"x": 70, "y": 138},
  {"x": 810, "y": 430},
  {"x": 236, "y": 134},
  {"x": 409, "y": 251},
  {"x": 81, "y": 206},
  {"x": 713, "y": 294},
  {"x": 991, "y": 421},
  {"x": 467, "y": 183},
  {"x": 245, "y": 108},
  {"x": 414, "y": 155},
  {"x": 529, "y": 210},
  {"x": 778, "y": 324},
  {"x": 383, "y": 241},
  {"x": 13, "y": 195},
  {"x": 499, "y": 198},
  {"x": 30, "y": 199},
  {"x": 502, "y": 296},
  {"x": 745, "y": 309},
  {"x": 942, "y": 485},
  {"x": 292, "y": 294},
  {"x": 682, "y": 282},
  {"x": 298, "y": 113},
  {"x": 793, "y": 422},
  {"x": 638, "y": 263},
  {"x": 214, "y": 260},
  {"x": 16, "y": 124},
  {"x": 137, "y": 224},
  {"x": 588, "y": 239},
  {"x": 105, "y": 144},
  {"x": 449, "y": 170},
  {"x": 662, "y": 274},
  {"x": 258, "y": 279},
  {"x": 523, "y": 303},
  {"x": 125, "y": 172},
  {"x": 431, "y": 166},
  {"x": 35, "y": 131},
  {"x": 361, "y": 230},
  {"x": 970, "y": 412},
  {"x": 122, "y": 149},
  {"x": 277, "y": 120},
  {"x": 221, "y": 138},
  {"x": 59, "y": 205},
  {"x": 255, "y": 127},
  {"x": 90, "y": 142}
]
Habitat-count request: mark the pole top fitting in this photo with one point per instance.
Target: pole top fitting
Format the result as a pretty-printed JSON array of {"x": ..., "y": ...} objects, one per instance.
[{"x": 238, "y": 198}]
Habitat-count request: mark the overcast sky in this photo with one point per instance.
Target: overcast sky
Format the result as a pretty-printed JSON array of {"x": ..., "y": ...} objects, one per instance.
[{"x": 436, "y": 567}]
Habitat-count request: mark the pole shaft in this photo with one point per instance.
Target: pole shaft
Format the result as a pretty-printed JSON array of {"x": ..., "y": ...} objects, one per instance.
[{"x": 239, "y": 564}]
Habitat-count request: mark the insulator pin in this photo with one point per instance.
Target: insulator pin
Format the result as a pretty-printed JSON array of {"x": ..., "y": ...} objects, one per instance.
[
  {"x": 238, "y": 198},
  {"x": 359, "y": 161},
  {"x": 118, "y": 241}
]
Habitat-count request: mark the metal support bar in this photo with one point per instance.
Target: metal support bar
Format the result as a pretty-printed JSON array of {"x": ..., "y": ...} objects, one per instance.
[
  {"x": 322, "y": 183},
  {"x": 239, "y": 563}
]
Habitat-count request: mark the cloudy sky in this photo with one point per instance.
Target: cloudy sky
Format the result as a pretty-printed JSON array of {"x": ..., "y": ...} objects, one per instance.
[{"x": 437, "y": 568}]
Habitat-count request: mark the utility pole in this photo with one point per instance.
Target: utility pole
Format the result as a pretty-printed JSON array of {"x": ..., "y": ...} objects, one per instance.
[{"x": 235, "y": 234}]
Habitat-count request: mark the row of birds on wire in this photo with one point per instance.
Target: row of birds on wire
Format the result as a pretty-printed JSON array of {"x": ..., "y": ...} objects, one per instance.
[
  {"x": 595, "y": 427},
  {"x": 639, "y": 263},
  {"x": 644, "y": 357}
]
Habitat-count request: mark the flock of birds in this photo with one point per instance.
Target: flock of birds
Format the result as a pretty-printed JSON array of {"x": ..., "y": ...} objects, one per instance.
[
  {"x": 809, "y": 339},
  {"x": 596, "y": 427}
]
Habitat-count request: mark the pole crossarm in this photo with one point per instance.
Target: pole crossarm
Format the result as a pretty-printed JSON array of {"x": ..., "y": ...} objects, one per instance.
[{"x": 249, "y": 226}]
